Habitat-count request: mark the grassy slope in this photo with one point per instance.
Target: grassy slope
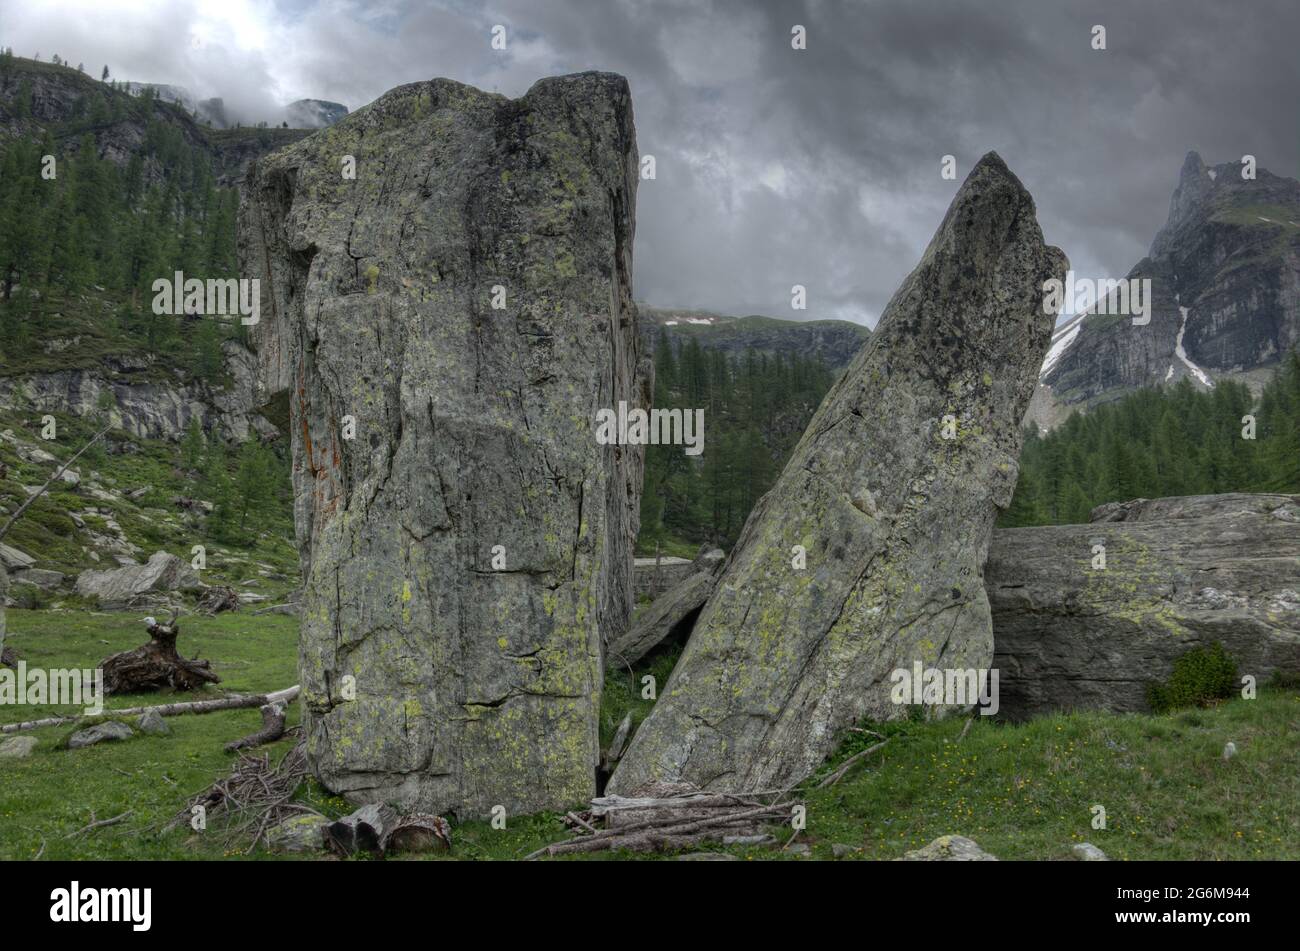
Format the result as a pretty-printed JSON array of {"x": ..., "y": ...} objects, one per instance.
[
  {"x": 47, "y": 533},
  {"x": 1021, "y": 791}
]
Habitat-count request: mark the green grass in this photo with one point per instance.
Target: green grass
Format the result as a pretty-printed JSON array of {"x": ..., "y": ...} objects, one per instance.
[{"x": 1022, "y": 791}]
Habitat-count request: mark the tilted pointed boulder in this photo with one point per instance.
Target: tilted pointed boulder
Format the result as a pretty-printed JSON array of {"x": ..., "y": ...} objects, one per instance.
[
  {"x": 446, "y": 304},
  {"x": 892, "y": 517}
]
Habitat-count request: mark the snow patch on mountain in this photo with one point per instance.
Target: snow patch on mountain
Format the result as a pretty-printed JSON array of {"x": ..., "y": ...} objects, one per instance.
[{"x": 1197, "y": 372}]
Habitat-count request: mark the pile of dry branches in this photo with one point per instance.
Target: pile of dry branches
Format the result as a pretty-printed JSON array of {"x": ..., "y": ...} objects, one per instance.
[
  {"x": 671, "y": 817},
  {"x": 253, "y": 799}
]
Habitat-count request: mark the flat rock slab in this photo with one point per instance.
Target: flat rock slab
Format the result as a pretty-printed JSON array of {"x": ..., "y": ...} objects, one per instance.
[
  {"x": 892, "y": 508},
  {"x": 468, "y": 542},
  {"x": 17, "y": 747},
  {"x": 113, "y": 730},
  {"x": 1179, "y": 573},
  {"x": 670, "y": 612}
]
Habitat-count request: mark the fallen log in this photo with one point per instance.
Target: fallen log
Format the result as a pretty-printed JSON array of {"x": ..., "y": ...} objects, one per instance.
[
  {"x": 156, "y": 665},
  {"x": 237, "y": 702},
  {"x": 272, "y": 729}
]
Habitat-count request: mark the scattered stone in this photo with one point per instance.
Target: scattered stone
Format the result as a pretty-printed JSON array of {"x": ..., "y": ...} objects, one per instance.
[
  {"x": 1229, "y": 750},
  {"x": 299, "y": 834},
  {"x": 1087, "y": 852},
  {"x": 840, "y": 850},
  {"x": 153, "y": 723},
  {"x": 949, "y": 848},
  {"x": 14, "y": 560},
  {"x": 477, "y": 679},
  {"x": 139, "y": 493},
  {"x": 17, "y": 747},
  {"x": 41, "y": 456},
  {"x": 39, "y": 577},
  {"x": 799, "y": 848},
  {"x": 99, "y": 733},
  {"x": 867, "y": 554}
]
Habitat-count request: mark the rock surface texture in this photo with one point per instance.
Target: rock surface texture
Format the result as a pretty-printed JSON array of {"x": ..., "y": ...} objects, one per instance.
[
  {"x": 465, "y": 551},
  {"x": 1180, "y": 573},
  {"x": 894, "y": 518}
]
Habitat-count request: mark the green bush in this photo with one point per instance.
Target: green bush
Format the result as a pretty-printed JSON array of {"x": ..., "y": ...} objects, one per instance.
[{"x": 1201, "y": 678}]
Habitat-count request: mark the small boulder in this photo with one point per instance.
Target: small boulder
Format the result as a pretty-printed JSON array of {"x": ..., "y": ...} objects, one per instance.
[
  {"x": 17, "y": 747},
  {"x": 949, "y": 848},
  {"x": 1229, "y": 750},
  {"x": 152, "y": 723},
  {"x": 14, "y": 560},
  {"x": 1087, "y": 852},
  {"x": 99, "y": 733},
  {"x": 299, "y": 834},
  {"x": 41, "y": 457},
  {"x": 39, "y": 577}
]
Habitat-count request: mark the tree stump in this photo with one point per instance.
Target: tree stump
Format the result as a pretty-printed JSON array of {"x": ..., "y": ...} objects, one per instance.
[{"x": 156, "y": 665}]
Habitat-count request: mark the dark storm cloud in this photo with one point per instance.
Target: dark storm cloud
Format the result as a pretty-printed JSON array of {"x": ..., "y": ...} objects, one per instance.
[{"x": 777, "y": 167}]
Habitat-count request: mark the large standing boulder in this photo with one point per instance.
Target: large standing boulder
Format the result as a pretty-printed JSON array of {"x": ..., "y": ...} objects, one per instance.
[
  {"x": 1075, "y": 632},
  {"x": 893, "y": 518},
  {"x": 467, "y": 542}
]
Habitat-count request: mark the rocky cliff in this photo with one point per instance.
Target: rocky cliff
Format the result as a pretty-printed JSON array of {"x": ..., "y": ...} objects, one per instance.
[
  {"x": 465, "y": 302},
  {"x": 1225, "y": 281}
]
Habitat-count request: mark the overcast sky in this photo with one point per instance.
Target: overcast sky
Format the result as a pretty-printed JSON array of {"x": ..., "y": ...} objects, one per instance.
[{"x": 776, "y": 167}]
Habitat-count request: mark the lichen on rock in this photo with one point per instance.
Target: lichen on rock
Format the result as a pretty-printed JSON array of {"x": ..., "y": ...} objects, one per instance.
[
  {"x": 439, "y": 670},
  {"x": 892, "y": 494}
]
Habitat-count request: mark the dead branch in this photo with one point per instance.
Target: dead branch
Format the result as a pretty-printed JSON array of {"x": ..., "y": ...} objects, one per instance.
[
  {"x": 844, "y": 767},
  {"x": 50, "y": 481},
  {"x": 272, "y": 729},
  {"x": 253, "y": 799},
  {"x": 660, "y": 823},
  {"x": 286, "y": 695},
  {"x": 101, "y": 823}
]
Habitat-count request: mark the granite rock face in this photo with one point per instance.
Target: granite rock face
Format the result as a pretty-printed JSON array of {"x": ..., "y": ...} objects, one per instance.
[
  {"x": 894, "y": 518},
  {"x": 467, "y": 548},
  {"x": 1180, "y": 573}
]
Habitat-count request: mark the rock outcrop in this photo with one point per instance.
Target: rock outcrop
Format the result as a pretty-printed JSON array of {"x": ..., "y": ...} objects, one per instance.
[
  {"x": 673, "y": 612},
  {"x": 142, "y": 401},
  {"x": 465, "y": 301},
  {"x": 892, "y": 516},
  {"x": 1179, "y": 573}
]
